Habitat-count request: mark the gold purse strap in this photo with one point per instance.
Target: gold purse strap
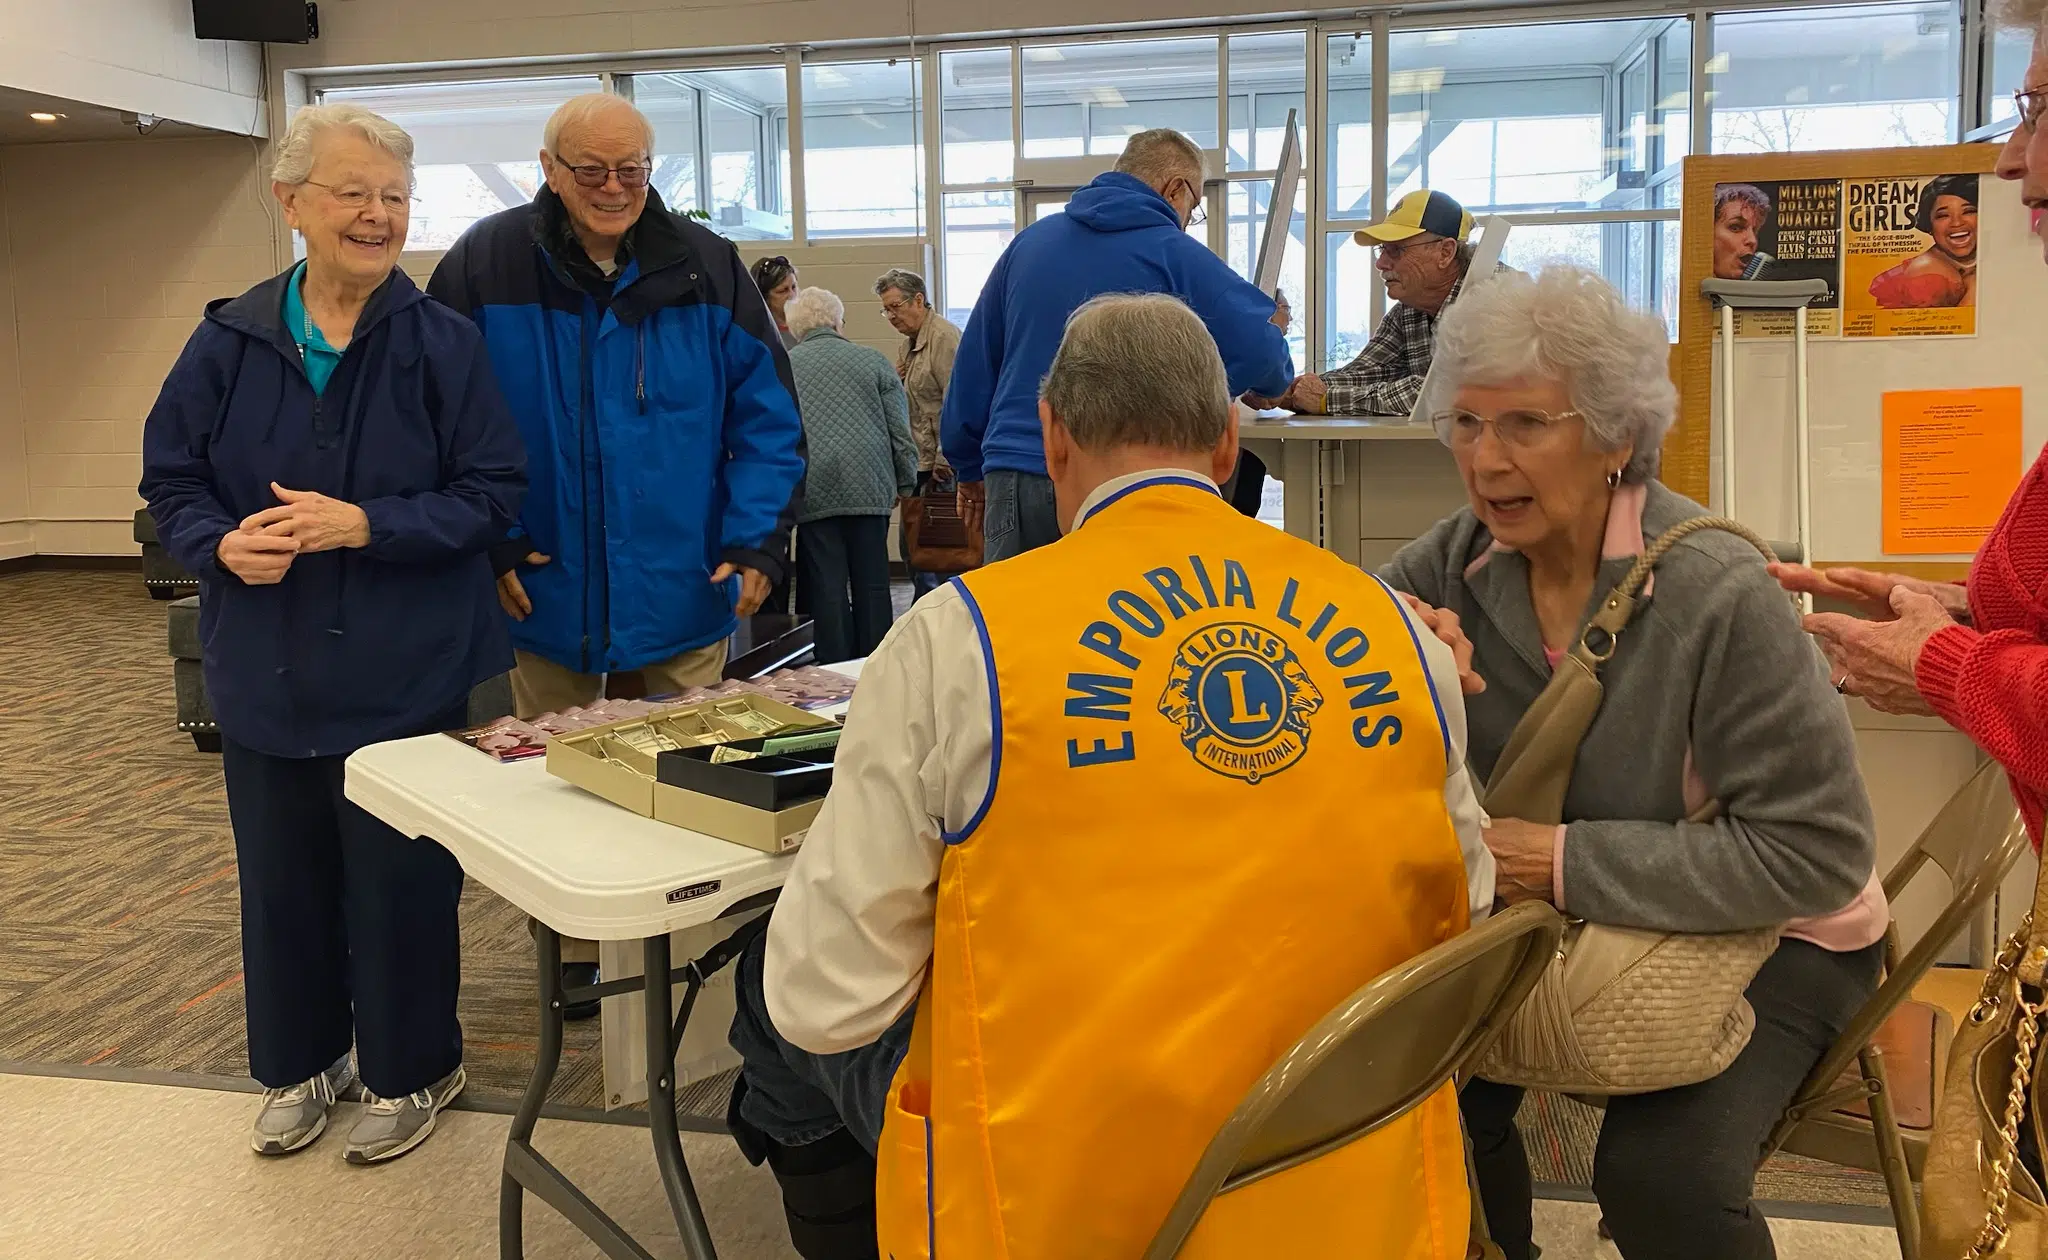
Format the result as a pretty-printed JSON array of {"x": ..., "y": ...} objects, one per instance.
[{"x": 1598, "y": 640}]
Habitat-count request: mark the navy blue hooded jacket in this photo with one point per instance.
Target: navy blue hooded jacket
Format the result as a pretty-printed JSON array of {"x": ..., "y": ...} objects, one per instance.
[
  {"x": 660, "y": 423},
  {"x": 354, "y": 646},
  {"x": 1117, "y": 236}
]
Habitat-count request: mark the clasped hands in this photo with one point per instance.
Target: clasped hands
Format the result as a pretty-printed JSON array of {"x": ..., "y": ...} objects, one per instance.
[
  {"x": 1308, "y": 395},
  {"x": 261, "y": 549}
]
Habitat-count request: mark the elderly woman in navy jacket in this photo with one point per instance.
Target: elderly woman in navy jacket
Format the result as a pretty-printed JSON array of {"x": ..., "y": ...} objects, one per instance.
[{"x": 333, "y": 457}]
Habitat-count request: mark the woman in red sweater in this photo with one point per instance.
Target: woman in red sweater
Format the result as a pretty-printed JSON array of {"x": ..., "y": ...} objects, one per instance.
[{"x": 1974, "y": 655}]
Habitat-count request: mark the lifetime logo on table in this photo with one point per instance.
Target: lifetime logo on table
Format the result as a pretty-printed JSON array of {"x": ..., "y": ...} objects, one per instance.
[{"x": 1241, "y": 699}]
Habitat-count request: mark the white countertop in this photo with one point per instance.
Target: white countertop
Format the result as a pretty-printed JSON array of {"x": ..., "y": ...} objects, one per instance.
[{"x": 1285, "y": 425}]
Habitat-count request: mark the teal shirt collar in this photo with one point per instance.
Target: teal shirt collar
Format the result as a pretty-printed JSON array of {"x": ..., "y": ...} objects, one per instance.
[{"x": 315, "y": 351}]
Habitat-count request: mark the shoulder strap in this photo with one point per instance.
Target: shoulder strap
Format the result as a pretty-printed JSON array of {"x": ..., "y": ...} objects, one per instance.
[{"x": 1531, "y": 776}]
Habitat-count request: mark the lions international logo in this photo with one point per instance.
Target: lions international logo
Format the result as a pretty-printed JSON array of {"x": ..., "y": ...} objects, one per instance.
[{"x": 1241, "y": 699}]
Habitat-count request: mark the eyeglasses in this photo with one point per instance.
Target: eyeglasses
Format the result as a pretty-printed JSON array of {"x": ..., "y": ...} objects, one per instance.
[
  {"x": 596, "y": 174},
  {"x": 356, "y": 197},
  {"x": 1393, "y": 251},
  {"x": 897, "y": 308},
  {"x": 2033, "y": 103},
  {"x": 1521, "y": 429}
]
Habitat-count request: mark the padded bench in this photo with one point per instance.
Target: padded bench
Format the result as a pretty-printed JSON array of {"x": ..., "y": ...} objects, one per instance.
[{"x": 160, "y": 573}]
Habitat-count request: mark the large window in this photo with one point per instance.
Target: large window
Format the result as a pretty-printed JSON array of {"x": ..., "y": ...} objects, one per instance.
[
  {"x": 1091, "y": 97},
  {"x": 1866, "y": 77},
  {"x": 722, "y": 145},
  {"x": 863, "y": 149},
  {"x": 476, "y": 146},
  {"x": 2011, "y": 52}
]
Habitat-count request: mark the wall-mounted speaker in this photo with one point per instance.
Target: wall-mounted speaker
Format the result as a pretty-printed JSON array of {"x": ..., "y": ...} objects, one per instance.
[{"x": 257, "y": 21}]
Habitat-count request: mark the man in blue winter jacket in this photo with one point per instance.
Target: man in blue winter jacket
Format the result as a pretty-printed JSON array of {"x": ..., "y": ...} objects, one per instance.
[
  {"x": 663, "y": 445},
  {"x": 1124, "y": 233}
]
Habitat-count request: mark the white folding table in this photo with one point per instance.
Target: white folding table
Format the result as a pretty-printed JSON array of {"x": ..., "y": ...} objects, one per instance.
[{"x": 579, "y": 866}]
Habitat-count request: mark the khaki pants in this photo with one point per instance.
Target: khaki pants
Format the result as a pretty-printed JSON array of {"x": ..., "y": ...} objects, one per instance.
[{"x": 541, "y": 686}]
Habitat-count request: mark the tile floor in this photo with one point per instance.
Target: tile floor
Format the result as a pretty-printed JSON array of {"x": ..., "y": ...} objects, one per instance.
[{"x": 93, "y": 1170}]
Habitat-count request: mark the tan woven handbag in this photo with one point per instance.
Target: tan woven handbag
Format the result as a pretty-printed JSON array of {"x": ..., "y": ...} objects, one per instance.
[
  {"x": 1623, "y": 1010},
  {"x": 1978, "y": 1200}
]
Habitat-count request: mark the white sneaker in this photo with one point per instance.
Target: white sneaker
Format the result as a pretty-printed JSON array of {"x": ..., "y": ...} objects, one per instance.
[
  {"x": 392, "y": 1126},
  {"x": 292, "y": 1118}
]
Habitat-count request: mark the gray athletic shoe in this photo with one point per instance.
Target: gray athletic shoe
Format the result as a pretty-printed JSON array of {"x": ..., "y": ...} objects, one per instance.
[
  {"x": 292, "y": 1118},
  {"x": 392, "y": 1126}
]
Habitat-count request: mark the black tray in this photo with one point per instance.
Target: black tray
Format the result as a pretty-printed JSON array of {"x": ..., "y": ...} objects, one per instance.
[{"x": 769, "y": 783}]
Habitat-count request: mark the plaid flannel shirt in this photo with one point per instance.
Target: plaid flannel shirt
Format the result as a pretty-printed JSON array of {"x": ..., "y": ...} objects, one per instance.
[{"x": 1386, "y": 377}]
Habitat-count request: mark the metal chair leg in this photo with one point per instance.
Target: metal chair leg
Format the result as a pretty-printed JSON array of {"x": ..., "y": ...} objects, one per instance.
[{"x": 1891, "y": 1154}]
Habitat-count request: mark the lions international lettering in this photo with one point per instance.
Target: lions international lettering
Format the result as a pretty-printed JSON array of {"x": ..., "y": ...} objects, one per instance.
[{"x": 1239, "y": 697}]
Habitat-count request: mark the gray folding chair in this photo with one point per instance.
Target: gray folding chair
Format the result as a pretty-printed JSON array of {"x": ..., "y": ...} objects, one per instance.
[{"x": 1383, "y": 1051}]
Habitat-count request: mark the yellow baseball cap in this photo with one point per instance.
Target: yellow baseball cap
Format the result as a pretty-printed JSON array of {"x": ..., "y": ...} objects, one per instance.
[{"x": 1416, "y": 213}]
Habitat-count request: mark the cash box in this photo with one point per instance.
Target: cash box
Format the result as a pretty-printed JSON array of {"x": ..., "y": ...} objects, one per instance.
[{"x": 660, "y": 766}]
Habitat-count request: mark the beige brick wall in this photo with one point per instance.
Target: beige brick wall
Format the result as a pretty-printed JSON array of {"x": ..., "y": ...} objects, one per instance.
[{"x": 112, "y": 250}]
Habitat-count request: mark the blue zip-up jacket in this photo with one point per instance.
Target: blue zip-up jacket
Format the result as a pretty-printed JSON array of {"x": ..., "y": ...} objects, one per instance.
[
  {"x": 354, "y": 646},
  {"x": 1117, "y": 236},
  {"x": 660, "y": 425}
]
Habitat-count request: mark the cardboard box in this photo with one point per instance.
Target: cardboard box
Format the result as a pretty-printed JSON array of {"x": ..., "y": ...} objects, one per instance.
[
  {"x": 617, "y": 761},
  {"x": 775, "y": 831}
]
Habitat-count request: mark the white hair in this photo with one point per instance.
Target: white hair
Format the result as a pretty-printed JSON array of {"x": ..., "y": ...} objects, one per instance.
[
  {"x": 579, "y": 111},
  {"x": 294, "y": 162},
  {"x": 2024, "y": 15},
  {"x": 1567, "y": 325},
  {"x": 1139, "y": 369},
  {"x": 812, "y": 309}
]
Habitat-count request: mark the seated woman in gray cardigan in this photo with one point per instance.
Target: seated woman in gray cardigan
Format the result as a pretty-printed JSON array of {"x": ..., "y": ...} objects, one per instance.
[{"x": 1554, "y": 398}]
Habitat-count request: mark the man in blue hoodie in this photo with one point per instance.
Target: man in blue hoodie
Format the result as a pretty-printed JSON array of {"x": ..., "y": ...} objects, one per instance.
[{"x": 1124, "y": 233}]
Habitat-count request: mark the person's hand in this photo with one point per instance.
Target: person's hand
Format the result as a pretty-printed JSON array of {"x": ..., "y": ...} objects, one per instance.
[
  {"x": 1877, "y": 660},
  {"x": 1259, "y": 402},
  {"x": 973, "y": 500},
  {"x": 1522, "y": 857},
  {"x": 1450, "y": 631},
  {"x": 512, "y": 592},
  {"x": 1869, "y": 592},
  {"x": 1308, "y": 395},
  {"x": 258, "y": 559},
  {"x": 311, "y": 519},
  {"x": 754, "y": 587}
]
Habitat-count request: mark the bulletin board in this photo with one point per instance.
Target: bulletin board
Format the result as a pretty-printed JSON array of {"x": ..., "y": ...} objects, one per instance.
[{"x": 1904, "y": 328}]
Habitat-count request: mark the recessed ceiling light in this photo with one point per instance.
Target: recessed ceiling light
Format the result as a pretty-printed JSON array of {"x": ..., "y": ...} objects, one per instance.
[{"x": 43, "y": 117}]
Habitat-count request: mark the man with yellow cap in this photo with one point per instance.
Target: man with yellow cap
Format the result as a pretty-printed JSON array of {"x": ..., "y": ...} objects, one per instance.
[
  {"x": 1114, "y": 823},
  {"x": 1423, "y": 255}
]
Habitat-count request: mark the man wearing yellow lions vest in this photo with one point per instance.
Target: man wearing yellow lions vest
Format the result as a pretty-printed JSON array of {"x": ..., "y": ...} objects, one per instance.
[{"x": 1113, "y": 823}]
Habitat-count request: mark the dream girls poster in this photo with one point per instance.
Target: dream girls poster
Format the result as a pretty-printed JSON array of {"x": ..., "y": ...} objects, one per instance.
[{"x": 1909, "y": 257}]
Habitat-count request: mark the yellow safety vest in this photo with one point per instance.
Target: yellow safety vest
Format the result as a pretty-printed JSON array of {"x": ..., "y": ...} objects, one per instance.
[{"x": 1215, "y": 810}]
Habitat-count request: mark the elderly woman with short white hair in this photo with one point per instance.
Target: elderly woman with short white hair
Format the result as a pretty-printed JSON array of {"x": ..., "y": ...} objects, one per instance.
[
  {"x": 332, "y": 456},
  {"x": 862, "y": 463},
  {"x": 1555, "y": 399}
]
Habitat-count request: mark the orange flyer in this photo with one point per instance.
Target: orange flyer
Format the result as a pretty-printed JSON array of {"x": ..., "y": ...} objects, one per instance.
[{"x": 1952, "y": 457}]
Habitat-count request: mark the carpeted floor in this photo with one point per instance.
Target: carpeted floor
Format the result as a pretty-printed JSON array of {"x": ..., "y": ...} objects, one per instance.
[{"x": 118, "y": 937}]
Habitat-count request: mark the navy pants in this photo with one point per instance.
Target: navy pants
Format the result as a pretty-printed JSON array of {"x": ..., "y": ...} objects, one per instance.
[
  {"x": 793, "y": 1097},
  {"x": 1020, "y": 515},
  {"x": 349, "y": 933},
  {"x": 842, "y": 565}
]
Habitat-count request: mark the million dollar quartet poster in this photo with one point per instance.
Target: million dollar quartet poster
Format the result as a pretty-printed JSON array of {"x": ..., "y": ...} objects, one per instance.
[
  {"x": 1909, "y": 265},
  {"x": 1899, "y": 254},
  {"x": 1781, "y": 230}
]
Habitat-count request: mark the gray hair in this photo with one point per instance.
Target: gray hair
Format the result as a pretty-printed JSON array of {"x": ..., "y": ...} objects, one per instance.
[
  {"x": 2024, "y": 15},
  {"x": 908, "y": 283},
  {"x": 1466, "y": 252},
  {"x": 1161, "y": 155},
  {"x": 294, "y": 162},
  {"x": 1568, "y": 325},
  {"x": 812, "y": 309},
  {"x": 579, "y": 111},
  {"x": 1139, "y": 369}
]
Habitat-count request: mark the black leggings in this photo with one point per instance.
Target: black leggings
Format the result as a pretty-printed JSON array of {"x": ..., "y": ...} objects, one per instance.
[{"x": 1675, "y": 1170}]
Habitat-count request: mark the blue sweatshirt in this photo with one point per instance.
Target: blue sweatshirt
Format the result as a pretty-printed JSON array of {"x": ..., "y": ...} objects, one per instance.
[{"x": 1117, "y": 236}]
